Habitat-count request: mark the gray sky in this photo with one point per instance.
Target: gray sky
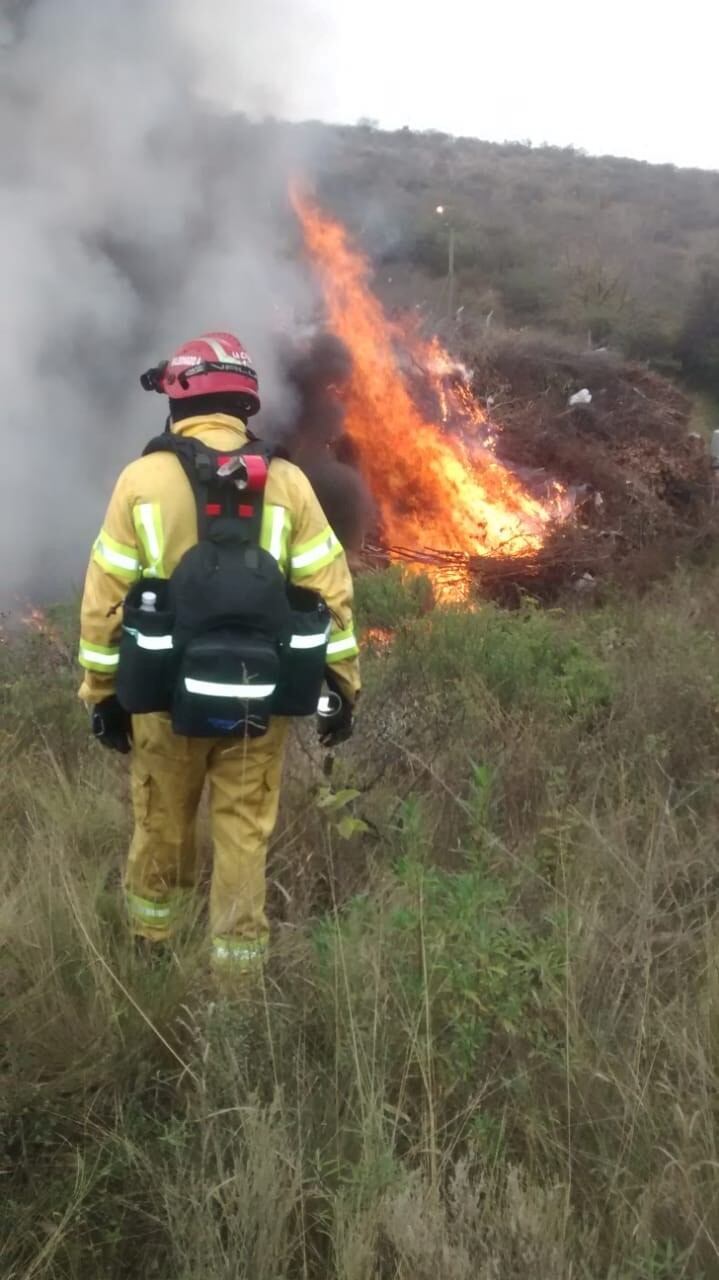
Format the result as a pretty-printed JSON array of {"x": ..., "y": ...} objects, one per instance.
[{"x": 624, "y": 77}]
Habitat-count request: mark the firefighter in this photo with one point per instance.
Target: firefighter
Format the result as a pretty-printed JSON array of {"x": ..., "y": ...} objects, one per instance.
[{"x": 150, "y": 524}]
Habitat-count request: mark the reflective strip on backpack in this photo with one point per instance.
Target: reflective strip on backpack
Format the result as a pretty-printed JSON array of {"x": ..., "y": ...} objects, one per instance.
[
  {"x": 212, "y": 689},
  {"x": 275, "y": 533},
  {"x": 96, "y": 657},
  {"x": 236, "y": 952},
  {"x": 116, "y": 558},
  {"x": 308, "y": 642},
  {"x": 310, "y": 556},
  {"x": 343, "y": 644},
  {"x": 148, "y": 523},
  {"x": 153, "y": 643}
]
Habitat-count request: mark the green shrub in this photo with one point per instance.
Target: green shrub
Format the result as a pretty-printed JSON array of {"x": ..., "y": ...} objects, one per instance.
[
  {"x": 391, "y": 597},
  {"x": 455, "y": 956},
  {"x": 524, "y": 659}
]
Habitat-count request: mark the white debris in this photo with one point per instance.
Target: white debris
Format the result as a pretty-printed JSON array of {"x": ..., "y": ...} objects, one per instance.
[
  {"x": 587, "y": 582},
  {"x": 580, "y": 397}
]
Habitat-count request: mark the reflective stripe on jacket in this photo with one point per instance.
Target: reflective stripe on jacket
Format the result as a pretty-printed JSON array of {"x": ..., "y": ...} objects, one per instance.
[{"x": 152, "y": 521}]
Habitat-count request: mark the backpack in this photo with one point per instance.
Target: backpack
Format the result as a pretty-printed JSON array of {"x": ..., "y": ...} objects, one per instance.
[{"x": 230, "y": 642}]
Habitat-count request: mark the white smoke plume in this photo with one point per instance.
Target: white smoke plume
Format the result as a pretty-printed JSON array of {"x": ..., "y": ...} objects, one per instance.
[{"x": 138, "y": 208}]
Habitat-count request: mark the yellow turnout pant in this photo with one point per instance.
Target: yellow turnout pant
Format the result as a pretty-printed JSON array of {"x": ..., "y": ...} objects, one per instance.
[{"x": 168, "y": 774}]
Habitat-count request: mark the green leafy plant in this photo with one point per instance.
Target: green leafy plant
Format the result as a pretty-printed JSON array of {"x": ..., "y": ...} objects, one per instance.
[{"x": 334, "y": 806}]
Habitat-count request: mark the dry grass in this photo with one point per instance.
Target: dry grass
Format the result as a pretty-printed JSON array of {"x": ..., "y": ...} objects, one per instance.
[{"x": 486, "y": 1042}]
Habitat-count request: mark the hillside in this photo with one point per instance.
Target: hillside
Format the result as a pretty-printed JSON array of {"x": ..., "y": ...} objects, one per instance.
[{"x": 545, "y": 236}]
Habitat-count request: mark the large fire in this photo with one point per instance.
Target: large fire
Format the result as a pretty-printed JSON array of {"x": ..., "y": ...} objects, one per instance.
[{"x": 431, "y": 469}]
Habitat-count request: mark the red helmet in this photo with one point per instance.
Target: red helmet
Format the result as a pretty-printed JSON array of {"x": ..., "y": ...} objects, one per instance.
[{"x": 215, "y": 364}]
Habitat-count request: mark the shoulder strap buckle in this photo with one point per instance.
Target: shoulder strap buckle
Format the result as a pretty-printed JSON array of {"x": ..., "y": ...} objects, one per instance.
[{"x": 247, "y": 471}]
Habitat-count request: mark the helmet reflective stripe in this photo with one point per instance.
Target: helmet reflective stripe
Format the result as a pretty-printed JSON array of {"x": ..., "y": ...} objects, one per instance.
[
  {"x": 343, "y": 644},
  {"x": 148, "y": 523},
  {"x": 308, "y": 642},
  {"x": 224, "y": 356},
  {"x": 211, "y": 689}
]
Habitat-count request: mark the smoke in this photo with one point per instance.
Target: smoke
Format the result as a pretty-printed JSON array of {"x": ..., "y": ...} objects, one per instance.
[
  {"x": 318, "y": 368},
  {"x": 139, "y": 206}
]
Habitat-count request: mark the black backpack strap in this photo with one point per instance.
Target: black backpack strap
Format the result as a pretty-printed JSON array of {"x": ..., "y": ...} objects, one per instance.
[{"x": 228, "y": 487}]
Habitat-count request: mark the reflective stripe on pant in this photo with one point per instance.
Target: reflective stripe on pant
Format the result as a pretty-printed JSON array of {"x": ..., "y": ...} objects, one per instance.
[{"x": 168, "y": 775}]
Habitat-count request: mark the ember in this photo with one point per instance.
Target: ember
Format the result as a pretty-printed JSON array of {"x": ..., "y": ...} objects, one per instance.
[
  {"x": 378, "y": 637},
  {"x": 422, "y": 442},
  {"x": 37, "y": 620}
]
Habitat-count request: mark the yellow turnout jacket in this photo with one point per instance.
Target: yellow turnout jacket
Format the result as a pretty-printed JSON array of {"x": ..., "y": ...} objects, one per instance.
[{"x": 152, "y": 521}]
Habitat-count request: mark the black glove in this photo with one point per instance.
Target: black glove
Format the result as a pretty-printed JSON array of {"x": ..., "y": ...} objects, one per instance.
[
  {"x": 336, "y": 725},
  {"x": 112, "y": 725}
]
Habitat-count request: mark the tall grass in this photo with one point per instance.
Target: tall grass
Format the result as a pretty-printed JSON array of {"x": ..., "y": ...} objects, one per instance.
[{"x": 485, "y": 1044}]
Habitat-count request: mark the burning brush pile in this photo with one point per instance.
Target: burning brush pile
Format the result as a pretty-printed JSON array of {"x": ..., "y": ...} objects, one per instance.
[
  {"x": 482, "y": 472},
  {"x": 641, "y": 482}
]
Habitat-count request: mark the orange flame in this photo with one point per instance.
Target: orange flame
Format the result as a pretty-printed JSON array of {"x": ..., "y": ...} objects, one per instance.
[
  {"x": 37, "y": 620},
  {"x": 379, "y": 638},
  {"x": 433, "y": 489}
]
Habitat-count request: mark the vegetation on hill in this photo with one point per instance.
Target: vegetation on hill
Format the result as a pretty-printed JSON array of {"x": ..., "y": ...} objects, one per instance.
[
  {"x": 609, "y": 250},
  {"x": 486, "y": 1041}
]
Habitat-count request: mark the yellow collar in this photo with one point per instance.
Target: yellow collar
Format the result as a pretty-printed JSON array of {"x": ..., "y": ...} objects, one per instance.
[{"x": 209, "y": 423}]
